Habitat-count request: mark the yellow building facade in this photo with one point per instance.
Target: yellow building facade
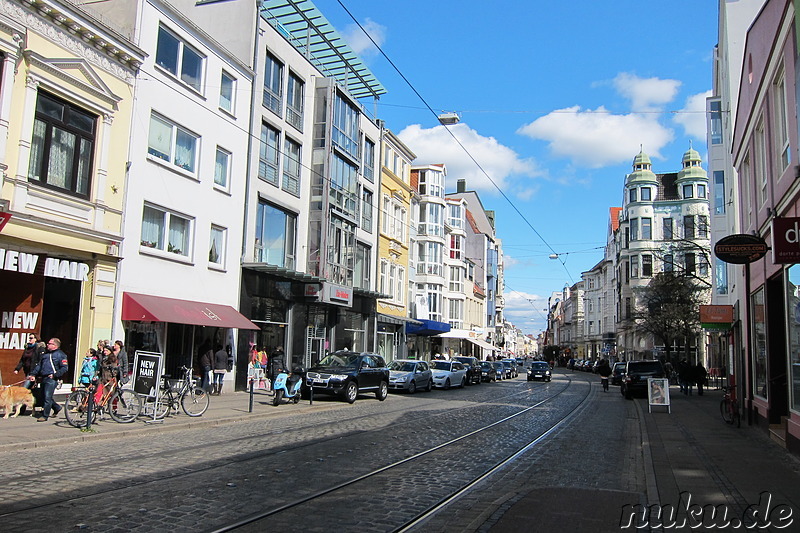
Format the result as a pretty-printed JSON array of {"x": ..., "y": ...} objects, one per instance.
[{"x": 66, "y": 95}]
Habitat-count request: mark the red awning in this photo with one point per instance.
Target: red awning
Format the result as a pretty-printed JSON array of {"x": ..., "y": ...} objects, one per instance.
[{"x": 159, "y": 309}]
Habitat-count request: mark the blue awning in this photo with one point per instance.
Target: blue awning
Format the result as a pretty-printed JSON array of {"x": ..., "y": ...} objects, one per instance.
[{"x": 427, "y": 327}]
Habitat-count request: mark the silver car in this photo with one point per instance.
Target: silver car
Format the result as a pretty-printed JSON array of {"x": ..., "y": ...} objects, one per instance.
[{"x": 410, "y": 375}]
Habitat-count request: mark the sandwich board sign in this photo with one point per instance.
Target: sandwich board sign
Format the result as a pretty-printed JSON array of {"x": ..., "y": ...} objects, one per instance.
[
  {"x": 147, "y": 371},
  {"x": 658, "y": 393}
]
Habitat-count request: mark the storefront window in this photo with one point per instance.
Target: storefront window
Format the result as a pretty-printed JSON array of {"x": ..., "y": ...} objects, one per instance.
[
  {"x": 350, "y": 332},
  {"x": 387, "y": 342},
  {"x": 793, "y": 314},
  {"x": 759, "y": 362}
]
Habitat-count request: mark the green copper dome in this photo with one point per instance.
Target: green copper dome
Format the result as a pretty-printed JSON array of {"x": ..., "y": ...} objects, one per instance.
[{"x": 642, "y": 173}]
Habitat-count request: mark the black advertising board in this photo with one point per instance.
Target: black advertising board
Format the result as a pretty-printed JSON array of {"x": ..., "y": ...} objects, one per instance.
[
  {"x": 740, "y": 248},
  {"x": 147, "y": 370}
]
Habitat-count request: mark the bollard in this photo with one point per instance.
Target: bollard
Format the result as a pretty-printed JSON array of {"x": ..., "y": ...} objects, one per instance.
[
  {"x": 311, "y": 395},
  {"x": 250, "y": 410},
  {"x": 90, "y": 407}
]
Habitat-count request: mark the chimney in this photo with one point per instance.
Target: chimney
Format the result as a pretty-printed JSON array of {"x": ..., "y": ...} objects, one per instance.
[{"x": 461, "y": 185}]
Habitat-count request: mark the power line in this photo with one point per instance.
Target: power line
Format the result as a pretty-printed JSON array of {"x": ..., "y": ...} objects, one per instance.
[{"x": 477, "y": 164}]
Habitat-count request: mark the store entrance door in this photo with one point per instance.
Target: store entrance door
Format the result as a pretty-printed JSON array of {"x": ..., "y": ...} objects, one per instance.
[{"x": 315, "y": 346}]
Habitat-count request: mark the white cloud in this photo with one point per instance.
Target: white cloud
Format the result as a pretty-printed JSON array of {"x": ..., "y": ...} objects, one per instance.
[
  {"x": 693, "y": 115},
  {"x": 526, "y": 311},
  {"x": 436, "y": 145},
  {"x": 645, "y": 94},
  {"x": 359, "y": 42},
  {"x": 596, "y": 138}
]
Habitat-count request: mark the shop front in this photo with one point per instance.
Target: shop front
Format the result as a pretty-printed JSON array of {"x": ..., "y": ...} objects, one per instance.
[
  {"x": 47, "y": 292},
  {"x": 392, "y": 336},
  {"x": 182, "y": 330},
  {"x": 423, "y": 341}
]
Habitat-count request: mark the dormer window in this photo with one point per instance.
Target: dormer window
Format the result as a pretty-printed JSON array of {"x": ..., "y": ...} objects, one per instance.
[
  {"x": 688, "y": 191},
  {"x": 645, "y": 194}
]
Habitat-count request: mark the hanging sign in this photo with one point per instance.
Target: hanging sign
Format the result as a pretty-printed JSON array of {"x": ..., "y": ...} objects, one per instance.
[
  {"x": 740, "y": 248},
  {"x": 786, "y": 240}
]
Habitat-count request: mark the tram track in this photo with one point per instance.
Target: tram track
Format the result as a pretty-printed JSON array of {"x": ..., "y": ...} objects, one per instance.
[{"x": 270, "y": 455}]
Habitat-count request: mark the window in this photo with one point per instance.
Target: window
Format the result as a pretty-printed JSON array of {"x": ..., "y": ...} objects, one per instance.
[
  {"x": 455, "y": 216},
  {"x": 166, "y": 231},
  {"x": 430, "y": 259},
  {"x": 344, "y": 186},
  {"x": 455, "y": 313},
  {"x": 781, "y": 123},
  {"x": 701, "y": 191},
  {"x": 761, "y": 161},
  {"x": 268, "y": 155},
  {"x": 634, "y": 229},
  {"x": 721, "y": 281},
  {"x": 431, "y": 183},
  {"x": 702, "y": 226},
  {"x": 647, "y": 265},
  {"x": 294, "y": 101},
  {"x": 366, "y": 210},
  {"x": 669, "y": 264},
  {"x": 690, "y": 262},
  {"x": 180, "y": 59},
  {"x": 702, "y": 265},
  {"x": 647, "y": 229},
  {"x": 216, "y": 249},
  {"x": 361, "y": 274},
  {"x": 627, "y": 307},
  {"x": 456, "y": 276},
  {"x": 719, "y": 192},
  {"x": 273, "y": 84},
  {"x": 172, "y": 143},
  {"x": 632, "y": 195},
  {"x": 667, "y": 229},
  {"x": 688, "y": 227},
  {"x": 394, "y": 219},
  {"x": 369, "y": 160},
  {"x": 341, "y": 249},
  {"x": 345, "y": 126},
  {"x": 758, "y": 363},
  {"x": 715, "y": 109},
  {"x": 291, "y": 167},
  {"x": 62, "y": 148},
  {"x": 645, "y": 194},
  {"x": 688, "y": 191},
  {"x": 276, "y": 231},
  {"x": 222, "y": 168},
  {"x": 456, "y": 246},
  {"x": 227, "y": 92},
  {"x": 635, "y": 266}
]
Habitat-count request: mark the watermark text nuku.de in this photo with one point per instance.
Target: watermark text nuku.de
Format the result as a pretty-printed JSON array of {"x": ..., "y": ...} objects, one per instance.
[{"x": 766, "y": 513}]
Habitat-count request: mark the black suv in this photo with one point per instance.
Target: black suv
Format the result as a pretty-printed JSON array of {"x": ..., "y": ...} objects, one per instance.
[
  {"x": 636, "y": 373},
  {"x": 345, "y": 373},
  {"x": 474, "y": 373}
]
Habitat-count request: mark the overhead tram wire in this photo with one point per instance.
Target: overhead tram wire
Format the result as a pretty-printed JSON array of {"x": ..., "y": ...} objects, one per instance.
[{"x": 477, "y": 164}]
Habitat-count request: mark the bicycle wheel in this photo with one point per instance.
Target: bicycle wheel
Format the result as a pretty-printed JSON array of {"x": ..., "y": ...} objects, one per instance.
[
  {"x": 124, "y": 406},
  {"x": 725, "y": 411},
  {"x": 194, "y": 401},
  {"x": 76, "y": 408},
  {"x": 165, "y": 403}
]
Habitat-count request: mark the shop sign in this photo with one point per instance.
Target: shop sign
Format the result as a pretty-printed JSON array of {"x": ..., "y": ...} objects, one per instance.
[
  {"x": 312, "y": 290},
  {"x": 4, "y": 217},
  {"x": 740, "y": 248},
  {"x": 24, "y": 263},
  {"x": 21, "y": 303},
  {"x": 786, "y": 240},
  {"x": 337, "y": 294},
  {"x": 716, "y": 317}
]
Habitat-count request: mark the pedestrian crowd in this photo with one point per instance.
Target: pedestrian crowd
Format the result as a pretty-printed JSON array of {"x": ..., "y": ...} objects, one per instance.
[{"x": 690, "y": 375}]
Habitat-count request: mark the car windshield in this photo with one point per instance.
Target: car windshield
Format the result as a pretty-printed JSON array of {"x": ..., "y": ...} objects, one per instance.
[
  {"x": 641, "y": 367},
  {"x": 402, "y": 366},
  {"x": 498, "y": 364},
  {"x": 540, "y": 366},
  {"x": 486, "y": 364},
  {"x": 340, "y": 359},
  {"x": 440, "y": 365},
  {"x": 465, "y": 360},
  {"x": 506, "y": 363}
]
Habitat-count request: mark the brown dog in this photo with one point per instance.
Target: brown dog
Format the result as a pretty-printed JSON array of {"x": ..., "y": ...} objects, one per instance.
[{"x": 13, "y": 398}]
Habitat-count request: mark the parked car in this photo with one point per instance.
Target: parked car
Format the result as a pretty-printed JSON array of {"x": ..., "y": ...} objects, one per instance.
[
  {"x": 539, "y": 370},
  {"x": 508, "y": 369},
  {"x": 617, "y": 373},
  {"x": 345, "y": 374},
  {"x": 636, "y": 374},
  {"x": 448, "y": 374},
  {"x": 512, "y": 363},
  {"x": 500, "y": 368},
  {"x": 488, "y": 372},
  {"x": 520, "y": 361},
  {"x": 588, "y": 365},
  {"x": 410, "y": 375},
  {"x": 473, "y": 368}
]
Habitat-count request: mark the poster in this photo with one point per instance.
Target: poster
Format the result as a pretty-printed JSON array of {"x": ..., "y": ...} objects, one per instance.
[
  {"x": 658, "y": 393},
  {"x": 147, "y": 370}
]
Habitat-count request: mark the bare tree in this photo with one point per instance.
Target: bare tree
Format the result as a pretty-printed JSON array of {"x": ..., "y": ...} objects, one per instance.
[{"x": 669, "y": 308}]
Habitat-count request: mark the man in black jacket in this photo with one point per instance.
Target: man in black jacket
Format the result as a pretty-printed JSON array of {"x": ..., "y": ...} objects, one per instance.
[{"x": 50, "y": 368}]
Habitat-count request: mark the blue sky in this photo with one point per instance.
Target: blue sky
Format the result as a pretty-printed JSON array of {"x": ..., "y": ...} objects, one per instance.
[{"x": 555, "y": 100}]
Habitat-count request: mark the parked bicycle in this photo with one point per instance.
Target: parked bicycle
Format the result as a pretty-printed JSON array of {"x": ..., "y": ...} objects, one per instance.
[
  {"x": 192, "y": 399},
  {"x": 122, "y": 405},
  {"x": 729, "y": 407}
]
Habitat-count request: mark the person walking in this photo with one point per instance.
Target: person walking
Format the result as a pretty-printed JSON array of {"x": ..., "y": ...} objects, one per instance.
[
  {"x": 206, "y": 364},
  {"x": 684, "y": 377},
  {"x": 30, "y": 357},
  {"x": 122, "y": 356},
  {"x": 220, "y": 367},
  {"x": 605, "y": 371},
  {"x": 50, "y": 368},
  {"x": 699, "y": 375},
  {"x": 276, "y": 364}
]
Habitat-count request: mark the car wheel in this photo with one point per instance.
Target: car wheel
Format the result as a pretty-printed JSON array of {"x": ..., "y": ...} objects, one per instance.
[
  {"x": 383, "y": 391},
  {"x": 350, "y": 392},
  {"x": 430, "y": 385},
  {"x": 447, "y": 384},
  {"x": 412, "y": 387},
  {"x": 463, "y": 382}
]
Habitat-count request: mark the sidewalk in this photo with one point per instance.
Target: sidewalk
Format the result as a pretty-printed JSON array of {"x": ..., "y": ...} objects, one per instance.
[
  {"x": 223, "y": 409},
  {"x": 691, "y": 459}
]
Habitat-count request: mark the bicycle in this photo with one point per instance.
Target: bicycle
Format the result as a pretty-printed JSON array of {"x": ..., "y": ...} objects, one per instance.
[
  {"x": 193, "y": 400},
  {"x": 123, "y": 405},
  {"x": 729, "y": 407}
]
